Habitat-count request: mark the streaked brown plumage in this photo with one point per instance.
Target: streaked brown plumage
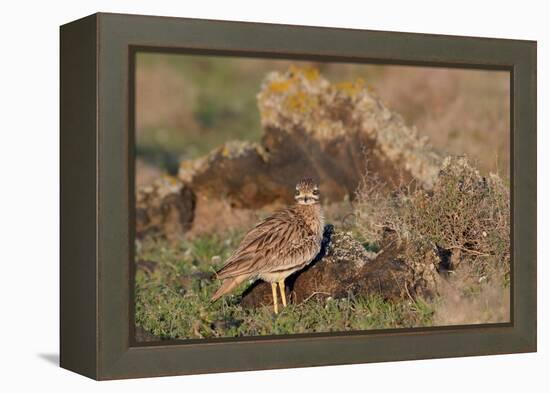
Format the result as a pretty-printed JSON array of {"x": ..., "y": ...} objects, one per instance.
[{"x": 281, "y": 244}]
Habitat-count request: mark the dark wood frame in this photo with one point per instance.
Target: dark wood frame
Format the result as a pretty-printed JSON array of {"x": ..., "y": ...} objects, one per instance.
[{"x": 97, "y": 195}]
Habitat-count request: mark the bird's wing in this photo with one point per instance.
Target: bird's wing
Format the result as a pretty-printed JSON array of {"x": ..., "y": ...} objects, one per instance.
[{"x": 279, "y": 242}]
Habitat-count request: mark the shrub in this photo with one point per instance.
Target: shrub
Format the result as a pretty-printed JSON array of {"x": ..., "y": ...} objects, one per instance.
[{"x": 463, "y": 219}]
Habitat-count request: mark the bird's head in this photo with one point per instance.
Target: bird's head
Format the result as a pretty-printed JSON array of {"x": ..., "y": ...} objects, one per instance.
[{"x": 307, "y": 192}]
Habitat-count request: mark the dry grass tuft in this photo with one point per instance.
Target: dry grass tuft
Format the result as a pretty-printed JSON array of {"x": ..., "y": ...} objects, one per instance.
[{"x": 464, "y": 220}]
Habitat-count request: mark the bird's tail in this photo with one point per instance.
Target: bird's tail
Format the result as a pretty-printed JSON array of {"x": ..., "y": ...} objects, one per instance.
[{"x": 227, "y": 286}]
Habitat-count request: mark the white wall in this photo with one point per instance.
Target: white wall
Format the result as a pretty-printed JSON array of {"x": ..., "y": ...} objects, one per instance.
[{"x": 29, "y": 193}]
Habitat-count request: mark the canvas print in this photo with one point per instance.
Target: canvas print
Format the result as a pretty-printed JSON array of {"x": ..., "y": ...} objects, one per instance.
[{"x": 277, "y": 197}]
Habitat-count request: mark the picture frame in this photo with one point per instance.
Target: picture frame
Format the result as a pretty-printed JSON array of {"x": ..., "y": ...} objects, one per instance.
[{"x": 97, "y": 195}]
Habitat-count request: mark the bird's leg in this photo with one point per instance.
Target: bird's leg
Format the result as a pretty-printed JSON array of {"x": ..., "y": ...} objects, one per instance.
[
  {"x": 282, "y": 289},
  {"x": 274, "y": 292}
]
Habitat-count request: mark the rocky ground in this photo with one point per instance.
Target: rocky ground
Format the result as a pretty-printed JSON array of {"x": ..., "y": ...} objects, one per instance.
[{"x": 409, "y": 234}]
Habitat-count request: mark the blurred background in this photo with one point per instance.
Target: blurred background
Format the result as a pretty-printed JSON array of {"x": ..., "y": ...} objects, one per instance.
[{"x": 187, "y": 105}]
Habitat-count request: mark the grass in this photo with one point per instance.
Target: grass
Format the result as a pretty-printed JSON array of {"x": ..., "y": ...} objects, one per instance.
[
  {"x": 455, "y": 237},
  {"x": 187, "y": 105},
  {"x": 173, "y": 299},
  {"x": 465, "y": 215}
]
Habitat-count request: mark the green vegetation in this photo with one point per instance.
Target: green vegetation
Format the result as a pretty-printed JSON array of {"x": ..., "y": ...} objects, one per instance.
[
  {"x": 461, "y": 226},
  {"x": 215, "y": 102},
  {"x": 173, "y": 299},
  {"x": 454, "y": 237},
  {"x": 466, "y": 217}
]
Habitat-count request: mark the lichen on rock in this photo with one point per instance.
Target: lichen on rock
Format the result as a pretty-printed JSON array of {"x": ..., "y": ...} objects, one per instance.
[
  {"x": 331, "y": 132},
  {"x": 343, "y": 247},
  {"x": 351, "y": 109}
]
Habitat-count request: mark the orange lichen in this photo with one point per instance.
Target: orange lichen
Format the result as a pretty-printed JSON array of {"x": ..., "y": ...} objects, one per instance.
[
  {"x": 294, "y": 74},
  {"x": 310, "y": 73},
  {"x": 351, "y": 88},
  {"x": 300, "y": 102},
  {"x": 170, "y": 180},
  {"x": 279, "y": 86}
]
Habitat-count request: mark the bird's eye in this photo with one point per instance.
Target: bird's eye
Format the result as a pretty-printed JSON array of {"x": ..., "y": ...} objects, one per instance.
[
  {"x": 297, "y": 193},
  {"x": 315, "y": 192}
]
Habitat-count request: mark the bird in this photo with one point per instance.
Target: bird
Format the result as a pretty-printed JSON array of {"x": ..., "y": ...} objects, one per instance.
[{"x": 279, "y": 245}]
